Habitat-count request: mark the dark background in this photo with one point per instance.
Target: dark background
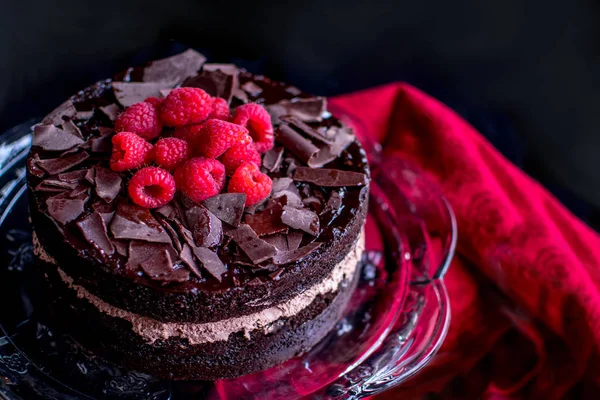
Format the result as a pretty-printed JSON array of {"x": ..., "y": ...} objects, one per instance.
[{"x": 525, "y": 73}]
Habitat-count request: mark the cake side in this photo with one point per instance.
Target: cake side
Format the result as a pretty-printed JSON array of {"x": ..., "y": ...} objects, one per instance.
[{"x": 207, "y": 351}]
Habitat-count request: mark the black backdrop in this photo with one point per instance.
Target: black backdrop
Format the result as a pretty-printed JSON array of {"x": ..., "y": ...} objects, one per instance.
[{"x": 526, "y": 73}]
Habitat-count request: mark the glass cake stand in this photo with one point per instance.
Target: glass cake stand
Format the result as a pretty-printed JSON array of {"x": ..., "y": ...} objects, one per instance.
[{"x": 395, "y": 323}]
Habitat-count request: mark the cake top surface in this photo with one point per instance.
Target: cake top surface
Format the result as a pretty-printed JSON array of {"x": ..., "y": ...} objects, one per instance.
[{"x": 275, "y": 195}]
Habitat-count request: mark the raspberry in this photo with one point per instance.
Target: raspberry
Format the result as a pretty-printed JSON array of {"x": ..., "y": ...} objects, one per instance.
[
  {"x": 220, "y": 109},
  {"x": 140, "y": 118},
  {"x": 248, "y": 179},
  {"x": 258, "y": 121},
  {"x": 151, "y": 187},
  {"x": 129, "y": 151},
  {"x": 200, "y": 178},
  {"x": 184, "y": 106},
  {"x": 216, "y": 136},
  {"x": 188, "y": 133},
  {"x": 155, "y": 101},
  {"x": 239, "y": 154},
  {"x": 170, "y": 152}
]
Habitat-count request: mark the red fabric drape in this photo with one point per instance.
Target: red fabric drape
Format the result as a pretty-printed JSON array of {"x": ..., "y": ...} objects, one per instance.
[{"x": 525, "y": 284}]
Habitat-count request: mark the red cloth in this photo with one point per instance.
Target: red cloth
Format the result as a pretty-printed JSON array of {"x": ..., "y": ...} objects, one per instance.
[{"x": 525, "y": 284}]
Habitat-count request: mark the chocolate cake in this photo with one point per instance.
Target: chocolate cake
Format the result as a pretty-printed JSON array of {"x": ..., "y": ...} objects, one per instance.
[{"x": 193, "y": 289}]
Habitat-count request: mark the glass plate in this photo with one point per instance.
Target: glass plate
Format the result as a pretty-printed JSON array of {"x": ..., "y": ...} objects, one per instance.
[{"x": 394, "y": 324}]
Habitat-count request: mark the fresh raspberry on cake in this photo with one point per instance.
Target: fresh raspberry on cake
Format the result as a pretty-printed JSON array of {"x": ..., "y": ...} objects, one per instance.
[
  {"x": 170, "y": 152},
  {"x": 151, "y": 187},
  {"x": 258, "y": 121},
  {"x": 216, "y": 136},
  {"x": 188, "y": 133},
  {"x": 141, "y": 118},
  {"x": 249, "y": 180},
  {"x": 155, "y": 101},
  {"x": 184, "y": 106},
  {"x": 220, "y": 109},
  {"x": 129, "y": 151},
  {"x": 200, "y": 178},
  {"x": 239, "y": 154}
]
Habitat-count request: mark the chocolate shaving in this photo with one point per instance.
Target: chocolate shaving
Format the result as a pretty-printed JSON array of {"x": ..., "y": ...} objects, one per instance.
[
  {"x": 322, "y": 158},
  {"x": 174, "y": 69},
  {"x": 90, "y": 175},
  {"x": 216, "y": 83},
  {"x": 294, "y": 238},
  {"x": 51, "y": 138},
  {"x": 228, "y": 207},
  {"x": 267, "y": 222},
  {"x": 342, "y": 139},
  {"x": 83, "y": 115},
  {"x": 66, "y": 109},
  {"x": 302, "y": 219},
  {"x": 330, "y": 177},
  {"x": 272, "y": 159},
  {"x": 303, "y": 148},
  {"x": 128, "y": 93},
  {"x": 73, "y": 176},
  {"x": 239, "y": 94},
  {"x": 280, "y": 184},
  {"x": 187, "y": 256},
  {"x": 291, "y": 166},
  {"x": 168, "y": 211},
  {"x": 174, "y": 236},
  {"x": 108, "y": 183},
  {"x": 307, "y": 110},
  {"x": 33, "y": 167},
  {"x": 206, "y": 228},
  {"x": 277, "y": 240},
  {"x": 165, "y": 92},
  {"x": 257, "y": 249},
  {"x": 106, "y": 211},
  {"x": 295, "y": 255},
  {"x": 293, "y": 90},
  {"x": 56, "y": 165},
  {"x": 160, "y": 267},
  {"x": 300, "y": 126},
  {"x": 140, "y": 252},
  {"x": 70, "y": 127},
  {"x": 94, "y": 230},
  {"x": 133, "y": 222},
  {"x": 64, "y": 209},
  {"x": 289, "y": 198},
  {"x": 112, "y": 111},
  {"x": 122, "y": 246},
  {"x": 81, "y": 189},
  {"x": 252, "y": 88},
  {"x": 210, "y": 261},
  {"x": 229, "y": 69},
  {"x": 101, "y": 144},
  {"x": 48, "y": 184}
]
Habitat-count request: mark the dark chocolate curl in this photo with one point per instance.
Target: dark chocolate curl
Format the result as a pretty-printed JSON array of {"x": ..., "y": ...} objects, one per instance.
[{"x": 296, "y": 143}]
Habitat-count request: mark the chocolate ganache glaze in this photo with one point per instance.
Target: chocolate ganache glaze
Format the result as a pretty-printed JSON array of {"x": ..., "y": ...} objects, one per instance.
[{"x": 185, "y": 261}]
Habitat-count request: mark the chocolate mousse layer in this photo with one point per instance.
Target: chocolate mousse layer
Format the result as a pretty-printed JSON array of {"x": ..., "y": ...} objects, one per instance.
[{"x": 196, "y": 262}]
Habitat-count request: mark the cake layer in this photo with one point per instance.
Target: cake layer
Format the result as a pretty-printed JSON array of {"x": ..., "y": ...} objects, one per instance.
[
  {"x": 151, "y": 330},
  {"x": 66, "y": 200},
  {"x": 259, "y": 342}
]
